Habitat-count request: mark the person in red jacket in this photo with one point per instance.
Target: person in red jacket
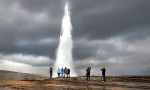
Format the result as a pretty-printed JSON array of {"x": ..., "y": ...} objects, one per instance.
[{"x": 51, "y": 71}]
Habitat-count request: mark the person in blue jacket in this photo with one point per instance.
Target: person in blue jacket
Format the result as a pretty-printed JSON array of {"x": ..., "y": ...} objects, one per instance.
[{"x": 62, "y": 72}]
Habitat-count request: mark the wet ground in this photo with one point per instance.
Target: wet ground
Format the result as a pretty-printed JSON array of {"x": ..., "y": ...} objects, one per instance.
[
  {"x": 98, "y": 88},
  {"x": 78, "y": 83}
]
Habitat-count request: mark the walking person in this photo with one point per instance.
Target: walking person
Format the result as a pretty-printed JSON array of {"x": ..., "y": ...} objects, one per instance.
[
  {"x": 51, "y": 71},
  {"x": 103, "y": 74},
  {"x": 58, "y": 72},
  {"x": 88, "y": 70}
]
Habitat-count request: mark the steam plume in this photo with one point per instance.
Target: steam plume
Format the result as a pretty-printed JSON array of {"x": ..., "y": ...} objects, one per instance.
[{"x": 64, "y": 51}]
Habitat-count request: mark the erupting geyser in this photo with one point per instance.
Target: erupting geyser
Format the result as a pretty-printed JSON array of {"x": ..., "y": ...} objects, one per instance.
[{"x": 64, "y": 51}]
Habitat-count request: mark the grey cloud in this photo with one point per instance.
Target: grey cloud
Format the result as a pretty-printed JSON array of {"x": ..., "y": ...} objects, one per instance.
[
  {"x": 83, "y": 49},
  {"x": 19, "y": 25},
  {"x": 122, "y": 16},
  {"x": 53, "y": 6},
  {"x": 138, "y": 64},
  {"x": 115, "y": 55},
  {"x": 26, "y": 26},
  {"x": 101, "y": 49},
  {"x": 27, "y": 59}
]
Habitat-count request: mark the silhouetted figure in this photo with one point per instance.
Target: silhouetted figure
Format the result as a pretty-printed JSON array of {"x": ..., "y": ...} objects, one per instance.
[
  {"x": 68, "y": 73},
  {"x": 62, "y": 72},
  {"x": 88, "y": 73},
  {"x": 103, "y": 73},
  {"x": 65, "y": 71},
  {"x": 58, "y": 72},
  {"x": 51, "y": 72}
]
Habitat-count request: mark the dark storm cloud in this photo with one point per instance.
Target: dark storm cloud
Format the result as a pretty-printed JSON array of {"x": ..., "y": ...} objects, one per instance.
[
  {"x": 54, "y": 7},
  {"x": 104, "y": 18},
  {"x": 91, "y": 19},
  {"x": 104, "y": 32},
  {"x": 30, "y": 21}
]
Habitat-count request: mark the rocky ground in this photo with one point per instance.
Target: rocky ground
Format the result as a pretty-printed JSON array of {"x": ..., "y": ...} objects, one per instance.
[{"x": 31, "y": 82}]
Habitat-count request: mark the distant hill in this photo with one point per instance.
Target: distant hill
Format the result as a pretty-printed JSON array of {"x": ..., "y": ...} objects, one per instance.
[{"x": 9, "y": 75}]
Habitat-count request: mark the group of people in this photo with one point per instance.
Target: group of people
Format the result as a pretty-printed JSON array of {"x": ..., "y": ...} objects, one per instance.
[
  {"x": 88, "y": 72},
  {"x": 63, "y": 72}
]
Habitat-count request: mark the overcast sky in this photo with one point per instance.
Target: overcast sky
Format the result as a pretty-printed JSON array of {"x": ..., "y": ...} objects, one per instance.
[{"x": 107, "y": 33}]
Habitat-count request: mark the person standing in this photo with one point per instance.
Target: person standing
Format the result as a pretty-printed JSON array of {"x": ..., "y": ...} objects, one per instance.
[
  {"x": 68, "y": 73},
  {"x": 58, "y": 72},
  {"x": 103, "y": 74},
  {"x": 65, "y": 71},
  {"x": 88, "y": 70},
  {"x": 51, "y": 72},
  {"x": 62, "y": 72}
]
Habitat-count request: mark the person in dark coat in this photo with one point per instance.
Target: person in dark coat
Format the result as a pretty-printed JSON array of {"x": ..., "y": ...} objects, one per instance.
[
  {"x": 58, "y": 72},
  {"x": 51, "y": 71},
  {"x": 88, "y": 70},
  {"x": 65, "y": 72},
  {"x": 103, "y": 74},
  {"x": 68, "y": 73}
]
